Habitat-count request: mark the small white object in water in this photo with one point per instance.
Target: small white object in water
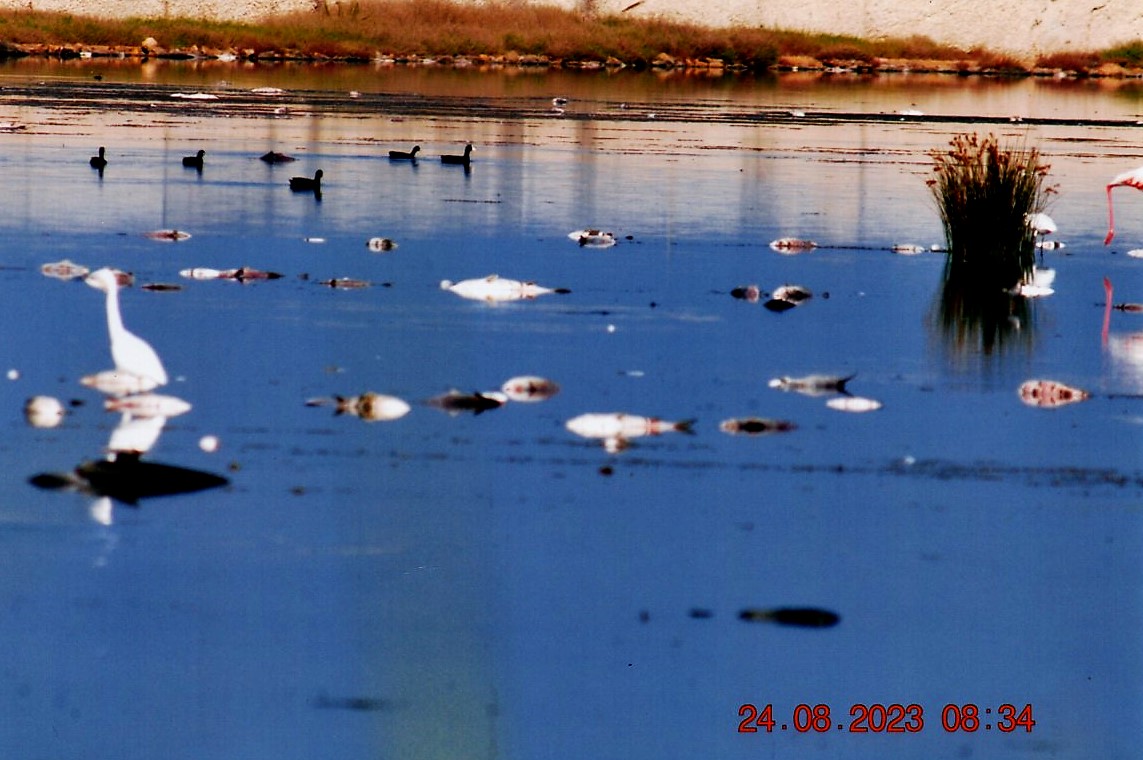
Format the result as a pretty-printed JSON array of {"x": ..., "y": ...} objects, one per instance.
[
  {"x": 314, "y": 239},
  {"x": 44, "y": 411},
  {"x": 1040, "y": 284},
  {"x": 13, "y": 374},
  {"x": 380, "y": 244},
  {"x": 529, "y": 389},
  {"x": 494, "y": 288},
  {"x": 209, "y": 443},
  {"x": 64, "y": 270},
  {"x": 854, "y": 404},
  {"x": 907, "y": 249},
  {"x": 589, "y": 238},
  {"x": 1136, "y": 253},
  {"x": 623, "y": 426},
  {"x": 792, "y": 245},
  {"x": 611, "y": 328},
  {"x": 1050, "y": 245},
  {"x": 194, "y": 95},
  {"x": 202, "y": 273},
  {"x": 268, "y": 91}
]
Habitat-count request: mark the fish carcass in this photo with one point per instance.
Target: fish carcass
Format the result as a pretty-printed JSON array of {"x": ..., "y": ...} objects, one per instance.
[
  {"x": 615, "y": 429},
  {"x": 454, "y": 402},
  {"x": 593, "y": 238},
  {"x": 1048, "y": 394},
  {"x": 529, "y": 388},
  {"x": 813, "y": 385},
  {"x": 495, "y": 288}
]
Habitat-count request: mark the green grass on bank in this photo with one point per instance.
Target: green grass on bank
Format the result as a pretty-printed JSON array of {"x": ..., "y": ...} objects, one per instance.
[{"x": 442, "y": 28}]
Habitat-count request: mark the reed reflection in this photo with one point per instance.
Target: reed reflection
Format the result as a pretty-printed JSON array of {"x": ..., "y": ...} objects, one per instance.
[{"x": 974, "y": 320}]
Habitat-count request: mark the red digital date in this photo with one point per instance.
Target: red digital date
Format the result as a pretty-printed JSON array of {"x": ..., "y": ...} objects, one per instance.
[{"x": 892, "y": 719}]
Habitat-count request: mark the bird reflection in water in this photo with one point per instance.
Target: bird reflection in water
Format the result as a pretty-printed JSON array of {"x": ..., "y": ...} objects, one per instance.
[{"x": 122, "y": 475}]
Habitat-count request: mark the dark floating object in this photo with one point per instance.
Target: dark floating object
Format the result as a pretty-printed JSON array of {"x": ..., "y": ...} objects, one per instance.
[
  {"x": 345, "y": 283},
  {"x": 805, "y": 617},
  {"x": 400, "y": 155},
  {"x": 779, "y": 305},
  {"x": 276, "y": 158},
  {"x": 756, "y": 426},
  {"x": 161, "y": 287},
  {"x": 751, "y": 293},
  {"x": 699, "y": 613},
  {"x": 195, "y": 161},
  {"x": 358, "y": 704},
  {"x": 454, "y": 402},
  {"x": 128, "y": 480},
  {"x": 307, "y": 184},
  {"x": 100, "y": 161},
  {"x": 462, "y": 160}
]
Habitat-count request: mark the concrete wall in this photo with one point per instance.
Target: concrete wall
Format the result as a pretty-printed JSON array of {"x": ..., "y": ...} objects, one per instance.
[{"x": 1017, "y": 26}]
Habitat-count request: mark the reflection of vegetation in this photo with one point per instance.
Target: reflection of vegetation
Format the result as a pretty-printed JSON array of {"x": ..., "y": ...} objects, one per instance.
[
  {"x": 985, "y": 193},
  {"x": 974, "y": 320}
]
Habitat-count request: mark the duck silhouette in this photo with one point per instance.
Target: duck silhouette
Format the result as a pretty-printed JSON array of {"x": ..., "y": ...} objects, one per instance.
[
  {"x": 307, "y": 184},
  {"x": 195, "y": 161},
  {"x": 100, "y": 161},
  {"x": 462, "y": 160},
  {"x": 400, "y": 155}
]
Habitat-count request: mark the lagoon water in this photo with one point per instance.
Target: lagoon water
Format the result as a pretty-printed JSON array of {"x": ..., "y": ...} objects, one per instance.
[{"x": 493, "y": 586}]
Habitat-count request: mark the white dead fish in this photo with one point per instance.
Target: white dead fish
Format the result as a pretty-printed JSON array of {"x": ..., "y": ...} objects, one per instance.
[
  {"x": 908, "y": 249},
  {"x": 64, "y": 270},
  {"x": 345, "y": 283},
  {"x": 529, "y": 389},
  {"x": 624, "y": 426},
  {"x": 115, "y": 382},
  {"x": 1136, "y": 253},
  {"x": 755, "y": 426},
  {"x": 494, "y": 288},
  {"x": 380, "y": 244},
  {"x": 792, "y": 245},
  {"x": 148, "y": 405},
  {"x": 44, "y": 411},
  {"x": 454, "y": 402},
  {"x": 194, "y": 96},
  {"x": 588, "y": 238},
  {"x": 787, "y": 297},
  {"x": 1048, "y": 394},
  {"x": 373, "y": 407},
  {"x": 170, "y": 236},
  {"x": 202, "y": 273},
  {"x": 813, "y": 385},
  {"x": 268, "y": 91},
  {"x": 855, "y": 404}
]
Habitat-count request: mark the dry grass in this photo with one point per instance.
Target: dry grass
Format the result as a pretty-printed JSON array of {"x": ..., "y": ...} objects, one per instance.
[{"x": 411, "y": 28}]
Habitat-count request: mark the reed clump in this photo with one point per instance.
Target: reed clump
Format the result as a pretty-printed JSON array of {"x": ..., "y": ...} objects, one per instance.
[{"x": 985, "y": 193}]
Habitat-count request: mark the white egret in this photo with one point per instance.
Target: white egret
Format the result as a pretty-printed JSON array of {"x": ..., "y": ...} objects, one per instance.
[{"x": 130, "y": 352}]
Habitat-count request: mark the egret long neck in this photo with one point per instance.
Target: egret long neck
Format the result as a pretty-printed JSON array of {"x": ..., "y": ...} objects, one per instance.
[{"x": 114, "y": 319}]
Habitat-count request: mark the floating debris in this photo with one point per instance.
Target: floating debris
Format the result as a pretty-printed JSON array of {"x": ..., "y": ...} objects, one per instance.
[
  {"x": 529, "y": 389},
  {"x": 590, "y": 238},
  {"x": 273, "y": 157},
  {"x": 908, "y": 249},
  {"x": 616, "y": 429},
  {"x": 813, "y": 385},
  {"x": 64, "y": 270},
  {"x": 1136, "y": 253},
  {"x": 209, "y": 443},
  {"x": 855, "y": 404},
  {"x": 11, "y": 126},
  {"x": 167, "y": 235},
  {"x": 792, "y": 245},
  {"x": 454, "y": 402},
  {"x": 756, "y": 426},
  {"x": 194, "y": 96},
  {"x": 805, "y": 617},
  {"x": 148, "y": 405},
  {"x": 202, "y": 273},
  {"x": 751, "y": 293},
  {"x": 268, "y": 91},
  {"x": 787, "y": 297},
  {"x": 314, "y": 240},
  {"x": 1054, "y": 245},
  {"x": 1048, "y": 394},
  {"x": 44, "y": 411},
  {"x": 380, "y": 244},
  {"x": 160, "y": 287},
  {"x": 115, "y": 382},
  {"x": 494, "y": 288},
  {"x": 242, "y": 274}
]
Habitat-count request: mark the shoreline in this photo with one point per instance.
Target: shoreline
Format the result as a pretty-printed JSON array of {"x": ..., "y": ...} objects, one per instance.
[{"x": 151, "y": 49}]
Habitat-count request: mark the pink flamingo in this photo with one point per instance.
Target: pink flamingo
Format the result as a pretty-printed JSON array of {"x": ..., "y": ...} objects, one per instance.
[{"x": 1133, "y": 178}]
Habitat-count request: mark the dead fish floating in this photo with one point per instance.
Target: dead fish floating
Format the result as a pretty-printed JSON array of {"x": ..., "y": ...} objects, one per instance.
[
  {"x": 750, "y": 293},
  {"x": 529, "y": 389},
  {"x": 128, "y": 479},
  {"x": 787, "y": 297},
  {"x": 345, "y": 283},
  {"x": 64, "y": 270},
  {"x": 615, "y": 429},
  {"x": 813, "y": 385},
  {"x": 802, "y": 617},
  {"x": 167, "y": 236},
  {"x": 242, "y": 274},
  {"x": 148, "y": 405},
  {"x": 1038, "y": 285},
  {"x": 791, "y": 245},
  {"x": 380, "y": 244},
  {"x": 907, "y": 249},
  {"x": 1048, "y": 394},
  {"x": 495, "y": 288},
  {"x": 369, "y": 406},
  {"x": 854, "y": 404},
  {"x": 589, "y": 238},
  {"x": 756, "y": 426},
  {"x": 114, "y": 382},
  {"x": 454, "y": 402},
  {"x": 44, "y": 412}
]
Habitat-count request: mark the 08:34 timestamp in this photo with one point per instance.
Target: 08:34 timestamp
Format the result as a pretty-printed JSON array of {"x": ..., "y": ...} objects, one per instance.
[{"x": 890, "y": 719}]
